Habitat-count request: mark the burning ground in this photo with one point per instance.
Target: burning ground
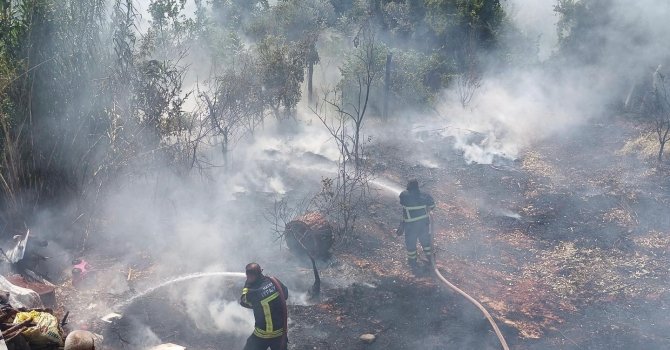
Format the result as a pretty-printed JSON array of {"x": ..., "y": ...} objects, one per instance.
[{"x": 566, "y": 246}]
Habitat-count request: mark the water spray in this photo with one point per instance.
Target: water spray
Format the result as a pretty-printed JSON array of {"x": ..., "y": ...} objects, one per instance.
[
  {"x": 123, "y": 305},
  {"x": 385, "y": 185}
]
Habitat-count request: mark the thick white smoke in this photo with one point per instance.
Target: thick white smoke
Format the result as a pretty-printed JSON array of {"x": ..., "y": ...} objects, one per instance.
[
  {"x": 216, "y": 221},
  {"x": 538, "y": 20},
  {"x": 514, "y": 108}
]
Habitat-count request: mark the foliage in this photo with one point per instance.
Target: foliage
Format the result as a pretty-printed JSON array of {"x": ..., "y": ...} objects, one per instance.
[
  {"x": 234, "y": 104},
  {"x": 580, "y": 27},
  {"x": 85, "y": 94},
  {"x": 281, "y": 67},
  {"x": 412, "y": 78},
  {"x": 82, "y": 105}
]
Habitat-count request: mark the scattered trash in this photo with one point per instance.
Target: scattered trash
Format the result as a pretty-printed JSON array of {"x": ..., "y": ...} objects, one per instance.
[
  {"x": 109, "y": 318},
  {"x": 47, "y": 292},
  {"x": 82, "y": 273},
  {"x": 46, "y": 329},
  {"x": 17, "y": 253},
  {"x": 20, "y": 297},
  {"x": 26, "y": 254}
]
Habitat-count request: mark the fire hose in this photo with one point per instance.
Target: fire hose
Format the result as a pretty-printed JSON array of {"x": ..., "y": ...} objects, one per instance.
[{"x": 459, "y": 291}]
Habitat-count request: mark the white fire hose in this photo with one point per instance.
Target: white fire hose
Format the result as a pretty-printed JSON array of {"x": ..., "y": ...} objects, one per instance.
[{"x": 459, "y": 291}]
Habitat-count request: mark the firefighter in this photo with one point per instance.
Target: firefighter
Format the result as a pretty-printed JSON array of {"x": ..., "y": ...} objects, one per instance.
[
  {"x": 416, "y": 207},
  {"x": 266, "y": 296}
]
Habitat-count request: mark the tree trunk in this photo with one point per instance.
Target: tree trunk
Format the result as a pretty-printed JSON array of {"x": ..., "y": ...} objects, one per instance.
[
  {"x": 387, "y": 85},
  {"x": 310, "y": 76},
  {"x": 224, "y": 147},
  {"x": 660, "y": 152},
  {"x": 357, "y": 136}
]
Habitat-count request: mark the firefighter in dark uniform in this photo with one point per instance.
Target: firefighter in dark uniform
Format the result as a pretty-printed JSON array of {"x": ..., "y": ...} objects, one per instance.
[
  {"x": 266, "y": 296},
  {"x": 416, "y": 207}
]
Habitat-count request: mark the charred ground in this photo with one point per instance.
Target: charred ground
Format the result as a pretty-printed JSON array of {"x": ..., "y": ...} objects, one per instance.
[{"x": 566, "y": 246}]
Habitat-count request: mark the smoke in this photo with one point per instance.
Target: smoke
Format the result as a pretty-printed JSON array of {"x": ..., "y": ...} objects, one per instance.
[
  {"x": 538, "y": 20},
  {"x": 516, "y": 107},
  {"x": 142, "y": 335},
  {"x": 511, "y": 112},
  {"x": 214, "y": 309},
  {"x": 231, "y": 317},
  {"x": 216, "y": 222}
]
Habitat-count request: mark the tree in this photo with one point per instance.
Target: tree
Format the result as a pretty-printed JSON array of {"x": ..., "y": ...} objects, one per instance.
[
  {"x": 170, "y": 32},
  {"x": 281, "y": 68},
  {"x": 656, "y": 106},
  {"x": 299, "y": 23},
  {"x": 362, "y": 70},
  {"x": 342, "y": 197},
  {"x": 469, "y": 79},
  {"x": 48, "y": 101},
  {"x": 410, "y": 78},
  {"x": 145, "y": 95},
  {"x": 581, "y": 28},
  {"x": 234, "y": 105}
]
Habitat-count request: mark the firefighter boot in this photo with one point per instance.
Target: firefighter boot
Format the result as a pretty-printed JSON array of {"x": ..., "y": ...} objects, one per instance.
[
  {"x": 425, "y": 266},
  {"x": 413, "y": 264},
  {"x": 415, "y": 267}
]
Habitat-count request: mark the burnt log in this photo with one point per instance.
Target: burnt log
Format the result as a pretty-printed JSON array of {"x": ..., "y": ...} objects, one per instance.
[{"x": 310, "y": 234}]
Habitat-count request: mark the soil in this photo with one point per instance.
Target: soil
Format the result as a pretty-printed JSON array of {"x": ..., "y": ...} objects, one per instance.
[{"x": 566, "y": 246}]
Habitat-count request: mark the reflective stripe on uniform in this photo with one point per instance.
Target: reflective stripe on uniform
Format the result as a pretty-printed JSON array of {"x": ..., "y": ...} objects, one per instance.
[
  {"x": 409, "y": 217},
  {"x": 411, "y": 254},
  {"x": 245, "y": 291},
  {"x": 415, "y": 208},
  {"x": 269, "y": 331},
  {"x": 268, "y": 314},
  {"x": 427, "y": 250},
  {"x": 268, "y": 335}
]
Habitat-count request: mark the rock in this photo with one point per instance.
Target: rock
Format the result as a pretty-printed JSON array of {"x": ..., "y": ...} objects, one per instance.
[
  {"x": 367, "y": 338},
  {"x": 82, "y": 340},
  {"x": 168, "y": 346}
]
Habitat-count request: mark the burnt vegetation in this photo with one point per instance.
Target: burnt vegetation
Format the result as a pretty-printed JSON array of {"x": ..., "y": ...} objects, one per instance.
[{"x": 101, "y": 97}]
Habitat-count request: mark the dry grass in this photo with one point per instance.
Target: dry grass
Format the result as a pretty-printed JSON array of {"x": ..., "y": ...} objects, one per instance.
[
  {"x": 597, "y": 274},
  {"x": 644, "y": 147},
  {"x": 619, "y": 216},
  {"x": 653, "y": 240},
  {"x": 534, "y": 163}
]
